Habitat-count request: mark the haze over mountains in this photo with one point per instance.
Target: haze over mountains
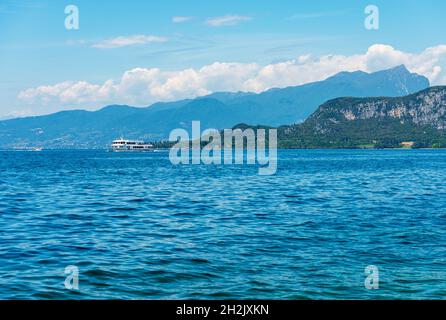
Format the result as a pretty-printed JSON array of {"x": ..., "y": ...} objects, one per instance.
[{"x": 275, "y": 107}]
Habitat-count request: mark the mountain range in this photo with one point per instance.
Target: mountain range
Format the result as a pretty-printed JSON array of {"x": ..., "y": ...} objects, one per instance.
[{"x": 275, "y": 107}]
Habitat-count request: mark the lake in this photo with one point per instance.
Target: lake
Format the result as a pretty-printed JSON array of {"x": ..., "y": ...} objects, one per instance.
[{"x": 138, "y": 227}]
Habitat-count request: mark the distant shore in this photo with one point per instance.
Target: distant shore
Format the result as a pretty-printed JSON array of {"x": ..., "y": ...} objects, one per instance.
[{"x": 167, "y": 149}]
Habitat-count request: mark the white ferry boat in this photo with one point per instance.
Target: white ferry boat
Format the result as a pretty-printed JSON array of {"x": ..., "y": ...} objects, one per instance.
[{"x": 122, "y": 145}]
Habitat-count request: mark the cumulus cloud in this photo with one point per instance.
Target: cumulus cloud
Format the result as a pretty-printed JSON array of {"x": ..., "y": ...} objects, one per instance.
[
  {"x": 428, "y": 63},
  {"x": 124, "y": 41},
  {"x": 228, "y": 20},
  {"x": 180, "y": 19},
  {"x": 143, "y": 86}
]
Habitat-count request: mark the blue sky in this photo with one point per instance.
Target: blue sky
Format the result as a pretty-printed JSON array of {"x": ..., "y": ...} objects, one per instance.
[{"x": 137, "y": 52}]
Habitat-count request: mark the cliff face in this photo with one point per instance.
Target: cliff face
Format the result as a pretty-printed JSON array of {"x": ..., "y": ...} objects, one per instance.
[
  {"x": 427, "y": 107},
  {"x": 383, "y": 121}
]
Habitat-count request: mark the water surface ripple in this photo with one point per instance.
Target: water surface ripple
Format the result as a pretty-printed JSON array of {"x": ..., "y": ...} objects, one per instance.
[{"x": 140, "y": 228}]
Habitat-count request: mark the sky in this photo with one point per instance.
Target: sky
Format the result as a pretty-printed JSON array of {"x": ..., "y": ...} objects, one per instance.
[{"x": 141, "y": 52}]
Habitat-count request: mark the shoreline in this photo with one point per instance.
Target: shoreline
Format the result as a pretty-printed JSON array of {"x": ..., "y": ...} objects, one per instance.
[{"x": 167, "y": 149}]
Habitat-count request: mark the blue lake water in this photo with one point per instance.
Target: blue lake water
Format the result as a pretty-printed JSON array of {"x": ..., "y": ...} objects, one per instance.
[{"x": 138, "y": 227}]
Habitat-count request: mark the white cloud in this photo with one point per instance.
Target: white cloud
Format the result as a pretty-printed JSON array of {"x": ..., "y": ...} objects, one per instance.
[
  {"x": 228, "y": 20},
  {"x": 128, "y": 41},
  {"x": 378, "y": 57},
  {"x": 180, "y": 19},
  {"x": 142, "y": 86}
]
